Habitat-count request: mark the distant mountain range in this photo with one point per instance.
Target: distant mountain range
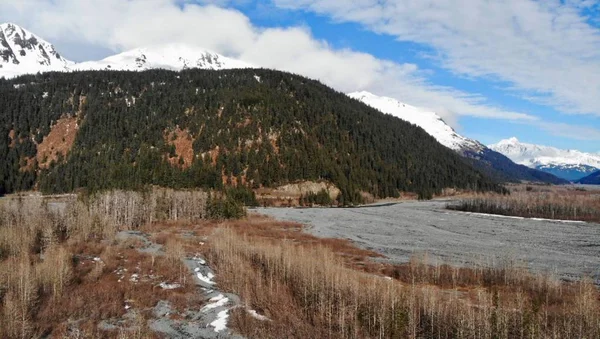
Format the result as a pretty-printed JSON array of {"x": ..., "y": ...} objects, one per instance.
[
  {"x": 572, "y": 165},
  {"x": 485, "y": 159},
  {"x": 22, "y": 52}
]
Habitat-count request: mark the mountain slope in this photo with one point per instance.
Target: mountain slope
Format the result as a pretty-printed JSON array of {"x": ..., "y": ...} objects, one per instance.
[
  {"x": 201, "y": 128},
  {"x": 22, "y": 52},
  {"x": 479, "y": 156},
  {"x": 592, "y": 179},
  {"x": 569, "y": 164},
  {"x": 429, "y": 121}
]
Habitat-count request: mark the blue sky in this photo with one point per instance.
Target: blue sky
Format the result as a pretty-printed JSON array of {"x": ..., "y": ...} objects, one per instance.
[{"x": 493, "y": 70}]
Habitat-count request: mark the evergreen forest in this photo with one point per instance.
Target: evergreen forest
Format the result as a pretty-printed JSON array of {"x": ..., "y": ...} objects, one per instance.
[{"x": 248, "y": 128}]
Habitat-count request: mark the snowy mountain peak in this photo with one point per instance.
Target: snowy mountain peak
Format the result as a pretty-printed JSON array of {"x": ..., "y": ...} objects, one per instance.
[
  {"x": 172, "y": 57},
  {"x": 24, "y": 52},
  {"x": 572, "y": 163},
  {"x": 429, "y": 121}
]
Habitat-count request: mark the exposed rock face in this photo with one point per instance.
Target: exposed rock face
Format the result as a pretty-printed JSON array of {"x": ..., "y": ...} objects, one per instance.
[{"x": 307, "y": 187}]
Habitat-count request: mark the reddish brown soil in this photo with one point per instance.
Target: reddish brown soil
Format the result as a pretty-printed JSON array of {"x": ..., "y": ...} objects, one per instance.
[
  {"x": 183, "y": 142},
  {"x": 59, "y": 141}
]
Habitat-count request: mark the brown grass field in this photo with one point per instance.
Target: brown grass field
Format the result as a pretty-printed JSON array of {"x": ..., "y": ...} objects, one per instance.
[{"x": 62, "y": 274}]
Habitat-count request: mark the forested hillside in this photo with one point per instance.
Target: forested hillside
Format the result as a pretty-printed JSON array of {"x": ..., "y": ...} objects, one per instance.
[
  {"x": 199, "y": 128},
  {"x": 592, "y": 179}
]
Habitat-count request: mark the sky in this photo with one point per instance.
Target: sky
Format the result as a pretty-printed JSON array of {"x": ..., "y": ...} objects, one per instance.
[{"x": 492, "y": 69}]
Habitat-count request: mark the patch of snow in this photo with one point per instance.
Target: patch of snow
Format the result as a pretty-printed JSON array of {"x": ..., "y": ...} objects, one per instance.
[
  {"x": 199, "y": 259},
  {"x": 167, "y": 286},
  {"x": 45, "y": 95},
  {"x": 221, "y": 323},
  {"x": 523, "y": 218},
  {"x": 218, "y": 301},
  {"x": 258, "y": 316},
  {"x": 257, "y": 78},
  {"x": 206, "y": 278}
]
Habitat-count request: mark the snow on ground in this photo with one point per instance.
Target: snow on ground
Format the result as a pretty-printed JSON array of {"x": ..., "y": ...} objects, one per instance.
[
  {"x": 258, "y": 316},
  {"x": 206, "y": 278},
  {"x": 523, "y": 218},
  {"x": 221, "y": 323},
  {"x": 167, "y": 286},
  {"x": 218, "y": 301}
]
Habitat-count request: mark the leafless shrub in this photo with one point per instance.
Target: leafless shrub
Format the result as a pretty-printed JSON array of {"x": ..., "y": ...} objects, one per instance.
[
  {"x": 535, "y": 203},
  {"x": 307, "y": 291},
  {"x": 37, "y": 238},
  {"x": 133, "y": 209}
]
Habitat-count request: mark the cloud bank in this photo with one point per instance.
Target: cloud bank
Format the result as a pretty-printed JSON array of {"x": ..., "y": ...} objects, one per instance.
[{"x": 547, "y": 49}]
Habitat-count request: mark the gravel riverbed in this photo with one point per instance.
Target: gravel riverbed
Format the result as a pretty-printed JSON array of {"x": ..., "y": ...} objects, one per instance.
[{"x": 399, "y": 231}]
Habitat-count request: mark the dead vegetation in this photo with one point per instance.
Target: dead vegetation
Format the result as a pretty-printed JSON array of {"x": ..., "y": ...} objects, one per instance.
[
  {"x": 312, "y": 288},
  {"x": 63, "y": 272},
  {"x": 564, "y": 203}
]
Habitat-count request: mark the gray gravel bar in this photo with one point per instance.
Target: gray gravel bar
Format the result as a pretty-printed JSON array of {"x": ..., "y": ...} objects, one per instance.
[{"x": 401, "y": 230}]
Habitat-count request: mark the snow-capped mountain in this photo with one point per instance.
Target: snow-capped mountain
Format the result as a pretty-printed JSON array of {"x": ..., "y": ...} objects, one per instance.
[
  {"x": 174, "y": 57},
  {"x": 429, "y": 121},
  {"x": 478, "y": 155},
  {"x": 568, "y": 164},
  {"x": 22, "y": 52}
]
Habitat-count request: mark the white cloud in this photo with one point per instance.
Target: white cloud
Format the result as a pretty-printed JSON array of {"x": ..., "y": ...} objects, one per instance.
[
  {"x": 546, "y": 48},
  {"x": 125, "y": 24}
]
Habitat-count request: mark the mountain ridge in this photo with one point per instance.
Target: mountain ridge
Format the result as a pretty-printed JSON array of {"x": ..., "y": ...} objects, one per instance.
[
  {"x": 569, "y": 164},
  {"x": 476, "y": 154},
  {"x": 429, "y": 121},
  {"x": 254, "y": 127},
  {"x": 179, "y": 57},
  {"x": 22, "y": 52}
]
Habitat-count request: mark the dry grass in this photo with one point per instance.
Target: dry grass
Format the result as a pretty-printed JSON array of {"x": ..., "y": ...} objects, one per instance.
[
  {"x": 564, "y": 203},
  {"x": 309, "y": 289},
  {"x": 62, "y": 271}
]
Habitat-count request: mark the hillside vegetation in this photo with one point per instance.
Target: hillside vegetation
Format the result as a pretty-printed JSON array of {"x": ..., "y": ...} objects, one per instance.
[
  {"x": 592, "y": 179},
  {"x": 200, "y": 128}
]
